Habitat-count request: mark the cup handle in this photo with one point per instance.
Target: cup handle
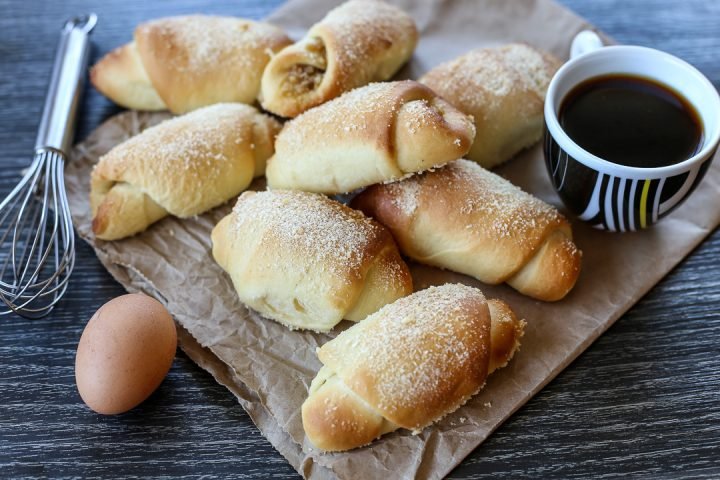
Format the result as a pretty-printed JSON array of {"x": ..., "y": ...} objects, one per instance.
[{"x": 585, "y": 42}]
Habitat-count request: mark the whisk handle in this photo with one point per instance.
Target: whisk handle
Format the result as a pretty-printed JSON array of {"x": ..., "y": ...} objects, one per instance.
[{"x": 57, "y": 125}]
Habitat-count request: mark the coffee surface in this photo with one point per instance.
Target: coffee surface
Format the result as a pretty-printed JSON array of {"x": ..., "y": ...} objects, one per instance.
[{"x": 631, "y": 121}]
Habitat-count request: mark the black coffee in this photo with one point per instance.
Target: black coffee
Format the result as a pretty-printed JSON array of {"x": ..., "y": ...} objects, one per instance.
[{"x": 631, "y": 121}]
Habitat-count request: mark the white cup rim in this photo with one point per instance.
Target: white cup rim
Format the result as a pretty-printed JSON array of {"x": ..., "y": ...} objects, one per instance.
[{"x": 710, "y": 139}]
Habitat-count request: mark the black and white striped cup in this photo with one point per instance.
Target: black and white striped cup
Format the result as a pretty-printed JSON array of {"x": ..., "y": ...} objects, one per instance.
[{"x": 617, "y": 197}]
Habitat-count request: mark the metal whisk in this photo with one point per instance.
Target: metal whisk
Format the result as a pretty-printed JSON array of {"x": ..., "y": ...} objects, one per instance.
[{"x": 37, "y": 242}]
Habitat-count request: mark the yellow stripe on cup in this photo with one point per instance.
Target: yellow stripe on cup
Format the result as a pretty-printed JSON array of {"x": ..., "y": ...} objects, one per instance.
[{"x": 643, "y": 204}]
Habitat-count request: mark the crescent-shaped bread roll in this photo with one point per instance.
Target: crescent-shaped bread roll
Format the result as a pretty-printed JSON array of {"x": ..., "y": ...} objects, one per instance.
[
  {"x": 372, "y": 134},
  {"x": 307, "y": 261},
  {"x": 359, "y": 42},
  {"x": 184, "y": 63},
  {"x": 408, "y": 365},
  {"x": 183, "y": 167},
  {"x": 503, "y": 88},
  {"x": 469, "y": 220}
]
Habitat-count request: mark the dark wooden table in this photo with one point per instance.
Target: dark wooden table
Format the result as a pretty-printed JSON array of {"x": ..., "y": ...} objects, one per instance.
[{"x": 643, "y": 401}]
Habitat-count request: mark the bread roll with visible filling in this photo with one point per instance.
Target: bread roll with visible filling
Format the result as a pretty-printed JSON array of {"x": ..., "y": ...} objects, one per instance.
[
  {"x": 307, "y": 261},
  {"x": 408, "y": 365},
  {"x": 503, "y": 88},
  {"x": 469, "y": 220},
  {"x": 372, "y": 134},
  {"x": 183, "y": 167},
  {"x": 359, "y": 42},
  {"x": 187, "y": 62}
]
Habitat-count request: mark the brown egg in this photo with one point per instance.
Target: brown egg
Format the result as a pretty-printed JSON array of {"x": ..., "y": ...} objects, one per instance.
[{"x": 124, "y": 353}]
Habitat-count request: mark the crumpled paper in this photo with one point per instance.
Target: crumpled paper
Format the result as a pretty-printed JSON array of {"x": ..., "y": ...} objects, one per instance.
[{"x": 269, "y": 368}]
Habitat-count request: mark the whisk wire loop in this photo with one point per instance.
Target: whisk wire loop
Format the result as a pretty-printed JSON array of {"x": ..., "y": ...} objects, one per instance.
[{"x": 37, "y": 239}]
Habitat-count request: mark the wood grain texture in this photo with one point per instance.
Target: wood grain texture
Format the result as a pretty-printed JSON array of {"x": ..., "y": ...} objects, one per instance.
[{"x": 643, "y": 401}]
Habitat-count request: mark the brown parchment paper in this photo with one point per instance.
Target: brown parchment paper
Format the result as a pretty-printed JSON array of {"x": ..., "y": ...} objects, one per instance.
[{"x": 268, "y": 368}]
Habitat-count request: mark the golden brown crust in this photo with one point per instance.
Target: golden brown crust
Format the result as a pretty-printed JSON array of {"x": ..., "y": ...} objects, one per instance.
[
  {"x": 408, "y": 365},
  {"x": 187, "y": 62},
  {"x": 503, "y": 88},
  {"x": 469, "y": 220},
  {"x": 351, "y": 421},
  {"x": 417, "y": 358},
  {"x": 372, "y": 134},
  {"x": 307, "y": 261},
  {"x": 356, "y": 43},
  {"x": 505, "y": 330},
  {"x": 122, "y": 211},
  {"x": 121, "y": 77},
  {"x": 183, "y": 167},
  {"x": 553, "y": 270}
]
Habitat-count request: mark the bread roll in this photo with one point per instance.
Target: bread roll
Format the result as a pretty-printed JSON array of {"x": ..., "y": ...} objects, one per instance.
[
  {"x": 469, "y": 220},
  {"x": 183, "y": 167},
  {"x": 503, "y": 88},
  {"x": 307, "y": 261},
  {"x": 408, "y": 365},
  {"x": 359, "y": 42},
  {"x": 372, "y": 134},
  {"x": 184, "y": 63}
]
